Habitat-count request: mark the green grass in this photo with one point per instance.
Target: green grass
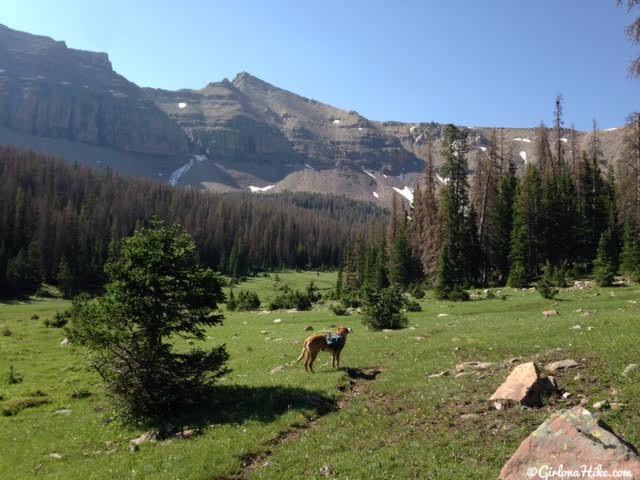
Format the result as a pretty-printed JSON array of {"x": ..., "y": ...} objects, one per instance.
[{"x": 402, "y": 425}]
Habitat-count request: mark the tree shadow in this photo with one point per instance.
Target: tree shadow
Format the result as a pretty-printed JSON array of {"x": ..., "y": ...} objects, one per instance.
[{"x": 235, "y": 404}]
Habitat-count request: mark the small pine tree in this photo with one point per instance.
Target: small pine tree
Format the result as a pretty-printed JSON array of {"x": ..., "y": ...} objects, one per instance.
[
  {"x": 66, "y": 279},
  {"x": 604, "y": 271},
  {"x": 156, "y": 291},
  {"x": 545, "y": 286},
  {"x": 383, "y": 309}
]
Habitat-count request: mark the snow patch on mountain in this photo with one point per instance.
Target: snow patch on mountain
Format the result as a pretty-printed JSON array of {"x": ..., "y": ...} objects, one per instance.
[
  {"x": 564, "y": 140},
  {"x": 406, "y": 192},
  {"x": 518, "y": 139},
  {"x": 309, "y": 166},
  {"x": 523, "y": 156},
  {"x": 177, "y": 175},
  {"x": 375, "y": 194},
  {"x": 610, "y": 129},
  {"x": 182, "y": 105},
  {"x": 369, "y": 173},
  {"x": 484, "y": 149},
  {"x": 443, "y": 180},
  {"x": 260, "y": 189}
]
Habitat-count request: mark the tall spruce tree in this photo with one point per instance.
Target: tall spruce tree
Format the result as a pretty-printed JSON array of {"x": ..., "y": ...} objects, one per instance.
[
  {"x": 630, "y": 255},
  {"x": 457, "y": 235}
]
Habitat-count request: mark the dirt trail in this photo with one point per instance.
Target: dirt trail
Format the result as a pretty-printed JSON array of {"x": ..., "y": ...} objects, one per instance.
[{"x": 359, "y": 378}]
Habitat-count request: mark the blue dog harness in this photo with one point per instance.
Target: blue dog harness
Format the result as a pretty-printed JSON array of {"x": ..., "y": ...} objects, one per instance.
[{"x": 334, "y": 340}]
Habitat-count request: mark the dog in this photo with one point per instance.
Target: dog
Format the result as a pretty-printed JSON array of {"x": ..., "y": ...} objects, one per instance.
[{"x": 315, "y": 344}]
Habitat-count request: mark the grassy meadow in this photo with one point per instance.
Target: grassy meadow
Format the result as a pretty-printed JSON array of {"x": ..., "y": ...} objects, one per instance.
[{"x": 379, "y": 417}]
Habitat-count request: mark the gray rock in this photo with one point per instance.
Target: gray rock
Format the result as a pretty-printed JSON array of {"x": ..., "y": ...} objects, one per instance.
[
  {"x": 554, "y": 367},
  {"x": 278, "y": 369}
]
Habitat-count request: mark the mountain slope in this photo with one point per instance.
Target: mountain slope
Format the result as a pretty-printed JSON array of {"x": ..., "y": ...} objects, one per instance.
[{"x": 244, "y": 134}]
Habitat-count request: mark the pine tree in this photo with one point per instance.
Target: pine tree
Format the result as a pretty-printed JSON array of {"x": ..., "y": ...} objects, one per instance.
[
  {"x": 456, "y": 255},
  {"x": 381, "y": 272},
  {"x": 629, "y": 171},
  {"x": 66, "y": 279},
  {"x": 630, "y": 255},
  {"x": 605, "y": 269},
  {"x": 401, "y": 271},
  {"x": 503, "y": 213},
  {"x": 524, "y": 253}
]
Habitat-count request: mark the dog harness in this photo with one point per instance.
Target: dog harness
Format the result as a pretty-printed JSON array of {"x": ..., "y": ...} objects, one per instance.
[{"x": 334, "y": 340}]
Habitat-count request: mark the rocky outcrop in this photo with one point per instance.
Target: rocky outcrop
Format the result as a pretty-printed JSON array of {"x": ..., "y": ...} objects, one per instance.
[
  {"x": 47, "y": 89},
  {"x": 572, "y": 441}
]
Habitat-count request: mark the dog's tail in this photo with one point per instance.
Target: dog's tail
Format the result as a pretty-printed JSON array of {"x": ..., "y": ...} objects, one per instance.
[{"x": 304, "y": 350}]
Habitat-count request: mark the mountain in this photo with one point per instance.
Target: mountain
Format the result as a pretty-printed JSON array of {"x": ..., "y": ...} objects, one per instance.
[{"x": 240, "y": 135}]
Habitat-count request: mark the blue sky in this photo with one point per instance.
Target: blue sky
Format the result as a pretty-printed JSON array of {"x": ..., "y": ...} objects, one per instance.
[{"x": 470, "y": 62}]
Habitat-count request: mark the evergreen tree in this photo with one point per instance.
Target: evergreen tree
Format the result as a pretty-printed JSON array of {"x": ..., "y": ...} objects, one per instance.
[
  {"x": 66, "y": 279},
  {"x": 500, "y": 236},
  {"x": 381, "y": 272},
  {"x": 401, "y": 272},
  {"x": 156, "y": 290},
  {"x": 604, "y": 271},
  {"x": 630, "y": 255},
  {"x": 524, "y": 253},
  {"x": 453, "y": 270}
]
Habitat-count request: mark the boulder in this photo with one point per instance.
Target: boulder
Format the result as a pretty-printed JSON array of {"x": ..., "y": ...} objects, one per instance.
[
  {"x": 553, "y": 367},
  {"x": 277, "y": 320},
  {"x": 524, "y": 386},
  {"x": 550, "y": 313},
  {"x": 278, "y": 369},
  {"x": 308, "y": 328},
  {"x": 326, "y": 470},
  {"x": 65, "y": 342},
  {"x": 572, "y": 441},
  {"x": 438, "y": 375}
]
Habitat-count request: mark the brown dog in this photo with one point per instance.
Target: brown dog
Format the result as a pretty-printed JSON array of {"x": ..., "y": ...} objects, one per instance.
[{"x": 324, "y": 342}]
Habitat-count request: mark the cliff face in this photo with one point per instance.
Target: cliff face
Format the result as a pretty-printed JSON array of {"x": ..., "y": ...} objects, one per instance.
[
  {"x": 249, "y": 120},
  {"x": 47, "y": 89}
]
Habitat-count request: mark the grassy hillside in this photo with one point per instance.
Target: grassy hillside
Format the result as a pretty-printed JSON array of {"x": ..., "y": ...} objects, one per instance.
[{"x": 397, "y": 423}]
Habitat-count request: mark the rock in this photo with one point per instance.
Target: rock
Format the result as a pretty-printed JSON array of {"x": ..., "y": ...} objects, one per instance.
[
  {"x": 263, "y": 332},
  {"x": 617, "y": 406},
  {"x": 277, "y": 320},
  {"x": 629, "y": 369},
  {"x": 326, "y": 470},
  {"x": 469, "y": 416},
  {"x": 438, "y": 375},
  {"x": 278, "y": 369},
  {"x": 63, "y": 411},
  {"x": 56, "y": 456},
  {"x": 497, "y": 405},
  {"x": 419, "y": 338},
  {"x": 524, "y": 386},
  {"x": 150, "y": 436},
  {"x": 550, "y": 313},
  {"x": 569, "y": 440},
  {"x": 65, "y": 342},
  {"x": 308, "y": 328},
  {"x": 187, "y": 434},
  {"x": 443, "y": 315},
  {"x": 466, "y": 366},
  {"x": 601, "y": 405},
  {"x": 561, "y": 365},
  {"x": 566, "y": 395},
  {"x": 576, "y": 327}
]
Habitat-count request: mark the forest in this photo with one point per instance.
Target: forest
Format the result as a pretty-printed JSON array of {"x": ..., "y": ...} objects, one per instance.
[
  {"x": 59, "y": 224},
  {"x": 569, "y": 215}
]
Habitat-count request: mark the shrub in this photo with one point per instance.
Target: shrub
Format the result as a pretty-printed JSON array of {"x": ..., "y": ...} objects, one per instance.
[
  {"x": 313, "y": 293},
  {"x": 156, "y": 290},
  {"x": 232, "y": 304},
  {"x": 490, "y": 295},
  {"x": 383, "y": 309},
  {"x": 15, "y": 406},
  {"x": 35, "y": 317},
  {"x": 43, "y": 293},
  {"x": 518, "y": 277},
  {"x": 337, "y": 308},
  {"x": 5, "y": 331},
  {"x": 247, "y": 301},
  {"x": 350, "y": 300},
  {"x": 290, "y": 298},
  {"x": 13, "y": 377},
  {"x": 412, "y": 305},
  {"x": 59, "y": 320},
  {"x": 545, "y": 285},
  {"x": 417, "y": 292}
]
